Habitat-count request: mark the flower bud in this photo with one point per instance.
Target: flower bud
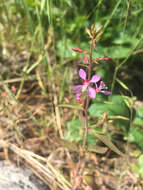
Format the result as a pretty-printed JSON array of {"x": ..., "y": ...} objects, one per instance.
[
  {"x": 85, "y": 59},
  {"x": 99, "y": 28},
  {"x": 77, "y": 49},
  {"x": 105, "y": 59},
  {"x": 88, "y": 32},
  {"x": 93, "y": 29},
  {"x": 79, "y": 101},
  {"x": 98, "y": 35}
]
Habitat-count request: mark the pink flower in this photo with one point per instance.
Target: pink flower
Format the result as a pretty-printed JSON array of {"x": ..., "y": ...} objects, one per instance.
[
  {"x": 102, "y": 86},
  {"x": 78, "y": 89}
]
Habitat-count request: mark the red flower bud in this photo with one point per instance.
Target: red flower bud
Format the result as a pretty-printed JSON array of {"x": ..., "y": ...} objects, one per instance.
[
  {"x": 105, "y": 59},
  {"x": 98, "y": 35},
  {"x": 79, "y": 101},
  {"x": 77, "y": 49},
  {"x": 85, "y": 59}
]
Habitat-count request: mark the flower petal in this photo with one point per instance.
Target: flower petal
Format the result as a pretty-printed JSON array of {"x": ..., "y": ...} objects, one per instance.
[
  {"x": 106, "y": 92},
  {"x": 82, "y": 74},
  {"x": 77, "y": 88},
  {"x": 95, "y": 78},
  {"x": 102, "y": 85},
  {"x": 78, "y": 96},
  {"x": 91, "y": 92}
]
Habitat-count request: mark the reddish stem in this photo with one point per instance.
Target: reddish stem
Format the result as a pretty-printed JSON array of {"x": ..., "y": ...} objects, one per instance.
[{"x": 87, "y": 99}]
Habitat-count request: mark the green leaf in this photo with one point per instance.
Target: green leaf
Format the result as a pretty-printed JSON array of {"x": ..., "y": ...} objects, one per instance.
[
  {"x": 115, "y": 108},
  {"x": 64, "y": 49},
  {"x": 74, "y": 131},
  {"x": 135, "y": 168},
  {"x": 140, "y": 161},
  {"x": 136, "y": 136},
  {"x": 107, "y": 142},
  {"x": 67, "y": 144},
  {"x": 137, "y": 153},
  {"x": 97, "y": 109},
  {"x": 138, "y": 120},
  {"x": 141, "y": 172},
  {"x": 125, "y": 39},
  {"x": 117, "y": 52},
  {"x": 31, "y": 3},
  {"x": 91, "y": 139},
  {"x": 117, "y": 99}
]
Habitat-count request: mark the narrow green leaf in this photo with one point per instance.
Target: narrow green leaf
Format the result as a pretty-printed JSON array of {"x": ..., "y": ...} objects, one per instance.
[
  {"x": 122, "y": 84},
  {"x": 67, "y": 144},
  {"x": 107, "y": 142},
  {"x": 97, "y": 149},
  {"x": 70, "y": 106},
  {"x": 34, "y": 65},
  {"x": 11, "y": 95}
]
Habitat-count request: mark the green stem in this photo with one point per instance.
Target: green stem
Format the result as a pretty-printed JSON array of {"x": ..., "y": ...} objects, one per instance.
[{"x": 114, "y": 79}]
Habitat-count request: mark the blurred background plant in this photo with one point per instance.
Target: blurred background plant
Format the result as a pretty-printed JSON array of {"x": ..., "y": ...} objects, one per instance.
[{"x": 39, "y": 68}]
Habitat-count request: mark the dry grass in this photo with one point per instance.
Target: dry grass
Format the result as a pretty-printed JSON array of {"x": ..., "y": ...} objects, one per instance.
[{"x": 40, "y": 166}]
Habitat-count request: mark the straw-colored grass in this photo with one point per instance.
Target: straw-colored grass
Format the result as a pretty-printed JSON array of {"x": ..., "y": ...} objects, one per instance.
[{"x": 40, "y": 166}]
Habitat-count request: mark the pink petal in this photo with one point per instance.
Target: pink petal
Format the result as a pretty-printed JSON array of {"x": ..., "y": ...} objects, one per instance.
[
  {"x": 95, "y": 78},
  {"x": 106, "y": 92},
  {"x": 78, "y": 96},
  {"x": 102, "y": 85},
  {"x": 85, "y": 59},
  {"x": 82, "y": 74},
  {"x": 91, "y": 92},
  {"x": 77, "y": 88}
]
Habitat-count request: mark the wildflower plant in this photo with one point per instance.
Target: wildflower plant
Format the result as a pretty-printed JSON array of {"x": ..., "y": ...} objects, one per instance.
[
  {"x": 89, "y": 87},
  {"x": 78, "y": 89}
]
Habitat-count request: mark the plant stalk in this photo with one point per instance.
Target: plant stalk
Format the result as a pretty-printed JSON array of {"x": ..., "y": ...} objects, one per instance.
[{"x": 87, "y": 99}]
